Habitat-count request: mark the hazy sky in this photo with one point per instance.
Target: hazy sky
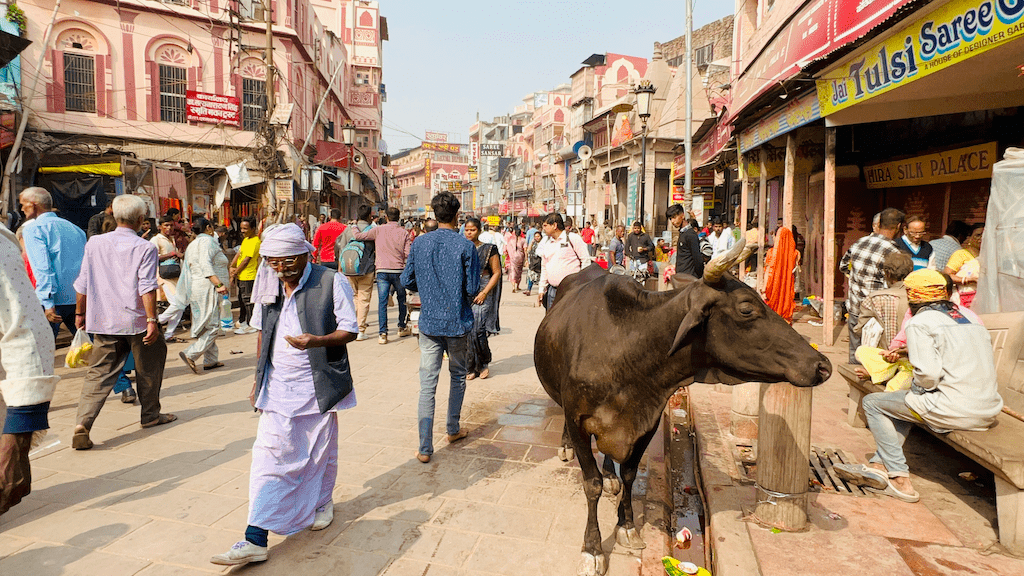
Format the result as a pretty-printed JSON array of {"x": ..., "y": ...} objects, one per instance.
[{"x": 446, "y": 61}]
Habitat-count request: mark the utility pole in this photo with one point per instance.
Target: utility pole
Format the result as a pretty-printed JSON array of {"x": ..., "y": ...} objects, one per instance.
[
  {"x": 270, "y": 132},
  {"x": 688, "y": 132},
  {"x": 269, "y": 57}
]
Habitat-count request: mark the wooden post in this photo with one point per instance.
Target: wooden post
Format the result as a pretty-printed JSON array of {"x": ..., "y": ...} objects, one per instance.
[
  {"x": 829, "y": 244},
  {"x": 789, "y": 181},
  {"x": 784, "y": 445},
  {"x": 744, "y": 205},
  {"x": 762, "y": 218}
]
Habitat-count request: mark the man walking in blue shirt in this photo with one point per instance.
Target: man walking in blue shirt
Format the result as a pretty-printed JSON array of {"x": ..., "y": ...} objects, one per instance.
[
  {"x": 443, "y": 267},
  {"x": 55, "y": 248}
]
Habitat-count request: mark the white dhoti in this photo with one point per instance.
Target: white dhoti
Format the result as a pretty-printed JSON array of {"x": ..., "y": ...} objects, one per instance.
[{"x": 294, "y": 468}]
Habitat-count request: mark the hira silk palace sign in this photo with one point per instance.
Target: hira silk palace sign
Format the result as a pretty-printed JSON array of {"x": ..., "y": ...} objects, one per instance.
[
  {"x": 951, "y": 34},
  {"x": 971, "y": 163}
]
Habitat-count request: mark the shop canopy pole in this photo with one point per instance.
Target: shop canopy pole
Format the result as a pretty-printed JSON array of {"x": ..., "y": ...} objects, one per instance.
[{"x": 15, "y": 148}]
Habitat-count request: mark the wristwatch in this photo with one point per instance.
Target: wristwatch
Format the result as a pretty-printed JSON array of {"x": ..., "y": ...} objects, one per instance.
[
  {"x": 221, "y": 285},
  {"x": 152, "y": 321}
]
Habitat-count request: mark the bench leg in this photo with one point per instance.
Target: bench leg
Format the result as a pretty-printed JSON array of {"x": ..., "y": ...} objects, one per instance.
[
  {"x": 855, "y": 417},
  {"x": 1010, "y": 511}
]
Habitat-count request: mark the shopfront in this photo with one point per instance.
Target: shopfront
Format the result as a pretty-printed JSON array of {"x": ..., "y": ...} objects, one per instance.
[{"x": 919, "y": 115}]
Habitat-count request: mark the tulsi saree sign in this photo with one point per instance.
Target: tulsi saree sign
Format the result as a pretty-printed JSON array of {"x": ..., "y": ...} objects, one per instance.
[{"x": 951, "y": 34}]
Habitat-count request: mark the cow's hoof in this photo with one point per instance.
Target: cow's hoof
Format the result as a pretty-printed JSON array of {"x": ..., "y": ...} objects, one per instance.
[
  {"x": 566, "y": 454},
  {"x": 629, "y": 538},
  {"x": 591, "y": 565},
  {"x": 612, "y": 485}
]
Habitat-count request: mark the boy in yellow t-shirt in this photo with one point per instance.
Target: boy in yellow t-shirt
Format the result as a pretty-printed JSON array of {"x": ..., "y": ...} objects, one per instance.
[{"x": 243, "y": 271}]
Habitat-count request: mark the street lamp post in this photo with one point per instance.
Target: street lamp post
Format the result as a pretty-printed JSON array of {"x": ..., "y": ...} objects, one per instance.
[
  {"x": 348, "y": 136},
  {"x": 643, "y": 93}
]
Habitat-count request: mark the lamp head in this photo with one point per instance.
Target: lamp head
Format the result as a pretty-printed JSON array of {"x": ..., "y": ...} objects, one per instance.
[{"x": 644, "y": 91}]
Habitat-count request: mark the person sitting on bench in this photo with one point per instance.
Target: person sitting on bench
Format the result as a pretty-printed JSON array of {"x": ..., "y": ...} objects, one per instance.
[{"x": 954, "y": 386}]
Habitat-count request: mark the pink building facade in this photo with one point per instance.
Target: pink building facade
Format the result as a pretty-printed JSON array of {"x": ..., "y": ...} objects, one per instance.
[{"x": 176, "y": 91}]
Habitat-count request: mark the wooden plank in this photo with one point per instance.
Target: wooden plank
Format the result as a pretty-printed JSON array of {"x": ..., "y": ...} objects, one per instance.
[
  {"x": 834, "y": 459},
  {"x": 826, "y": 482},
  {"x": 840, "y": 485}
]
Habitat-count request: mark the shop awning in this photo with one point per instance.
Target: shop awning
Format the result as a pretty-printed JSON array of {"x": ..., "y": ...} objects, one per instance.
[
  {"x": 105, "y": 168},
  {"x": 191, "y": 155}
]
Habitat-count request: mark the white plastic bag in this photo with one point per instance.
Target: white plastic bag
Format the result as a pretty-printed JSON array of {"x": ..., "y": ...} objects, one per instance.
[
  {"x": 80, "y": 351},
  {"x": 871, "y": 333}
]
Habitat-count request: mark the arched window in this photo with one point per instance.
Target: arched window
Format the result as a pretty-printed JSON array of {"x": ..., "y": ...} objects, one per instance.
[
  {"x": 75, "y": 54},
  {"x": 366, "y": 20},
  {"x": 622, "y": 74},
  {"x": 172, "y": 64},
  {"x": 559, "y": 116},
  {"x": 254, "y": 93}
]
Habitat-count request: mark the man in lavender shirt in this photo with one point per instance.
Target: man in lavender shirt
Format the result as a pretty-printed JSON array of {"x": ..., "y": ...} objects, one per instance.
[{"x": 116, "y": 303}]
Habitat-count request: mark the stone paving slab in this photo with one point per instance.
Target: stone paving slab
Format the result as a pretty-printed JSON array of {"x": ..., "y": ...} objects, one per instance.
[{"x": 161, "y": 501}]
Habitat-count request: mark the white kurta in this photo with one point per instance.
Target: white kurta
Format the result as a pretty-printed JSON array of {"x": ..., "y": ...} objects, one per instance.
[{"x": 294, "y": 458}]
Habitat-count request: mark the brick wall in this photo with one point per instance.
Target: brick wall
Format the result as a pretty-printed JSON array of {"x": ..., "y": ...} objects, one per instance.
[{"x": 718, "y": 33}]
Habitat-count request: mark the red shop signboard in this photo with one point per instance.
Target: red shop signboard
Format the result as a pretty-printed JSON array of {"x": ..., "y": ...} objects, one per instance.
[{"x": 212, "y": 108}]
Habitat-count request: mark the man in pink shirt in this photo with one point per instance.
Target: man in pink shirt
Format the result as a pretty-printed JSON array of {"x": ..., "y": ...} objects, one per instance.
[
  {"x": 323, "y": 240},
  {"x": 392, "y": 245},
  {"x": 116, "y": 304},
  {"x": 561, "y": 253}
]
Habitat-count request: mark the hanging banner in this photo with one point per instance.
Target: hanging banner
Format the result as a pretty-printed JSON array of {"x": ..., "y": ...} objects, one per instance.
[
  {"x": 973, "y": 163},
  {"x": 712, "y": 144},
  {"x": 474, "y": 153},
  {"x": 433, "y": 136},
  {"x": 951, "y": 34},
  {"x": 283, "y": 189},
  {"x": 428, "y": 178},
  {"x": 622, "y": 131},
  {"x": 678, "y": 191}
]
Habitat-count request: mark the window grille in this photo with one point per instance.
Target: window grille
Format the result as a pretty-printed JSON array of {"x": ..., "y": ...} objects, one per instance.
[
  {"x": 79, "y": 83},
  {"x": 254, "y": 103},
  {"x": 173, "y": 84}
]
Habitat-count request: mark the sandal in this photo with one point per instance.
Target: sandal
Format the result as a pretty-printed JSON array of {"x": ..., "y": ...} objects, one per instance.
[
  {"x": 162, "y": 419},
  {"x": 212, "y": 366},
  {"x": 892, "y": 490},
  {"x": 173, "y": 340},
  {"x": 189, "y": 362},
  {"x": 862, "y": 475}
]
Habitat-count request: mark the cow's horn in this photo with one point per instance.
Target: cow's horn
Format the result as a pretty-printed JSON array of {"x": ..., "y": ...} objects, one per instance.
[{"x": 718, "y": 265}]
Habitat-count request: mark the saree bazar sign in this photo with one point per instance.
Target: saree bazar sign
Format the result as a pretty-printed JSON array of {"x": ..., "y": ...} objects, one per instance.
[
  {"x": 951, "y": 34},
  {"x": 973, "y": 163}
]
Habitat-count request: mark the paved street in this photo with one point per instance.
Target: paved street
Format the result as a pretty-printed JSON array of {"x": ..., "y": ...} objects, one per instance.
[{"x": 162, "y": 501}]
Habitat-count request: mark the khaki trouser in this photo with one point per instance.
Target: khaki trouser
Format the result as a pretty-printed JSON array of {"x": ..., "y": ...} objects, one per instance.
[
  {"x": 108, "y": 356},
  {"x": 363, "y": 288}
]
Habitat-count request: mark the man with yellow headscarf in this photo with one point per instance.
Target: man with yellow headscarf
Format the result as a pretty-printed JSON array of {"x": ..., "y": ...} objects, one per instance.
[{"x": 954, "y": 386}]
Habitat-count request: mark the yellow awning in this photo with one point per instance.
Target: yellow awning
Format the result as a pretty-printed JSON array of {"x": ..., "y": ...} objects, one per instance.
[{"x": 106, "y": 168}]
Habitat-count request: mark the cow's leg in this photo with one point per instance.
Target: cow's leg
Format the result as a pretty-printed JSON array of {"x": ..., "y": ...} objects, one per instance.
[
  {"x": 626, "y": 533},
  {"x": 593, "y": 562},
  {"x": 612, "y": 484},
  {"x": 565, "y": 451}
]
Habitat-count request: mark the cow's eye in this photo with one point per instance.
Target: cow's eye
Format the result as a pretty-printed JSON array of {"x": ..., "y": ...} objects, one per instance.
[{"x": 747, "y": 309}]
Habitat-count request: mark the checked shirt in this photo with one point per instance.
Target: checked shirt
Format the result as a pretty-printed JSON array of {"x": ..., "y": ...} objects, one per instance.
[{"x": 863, "y": 264}]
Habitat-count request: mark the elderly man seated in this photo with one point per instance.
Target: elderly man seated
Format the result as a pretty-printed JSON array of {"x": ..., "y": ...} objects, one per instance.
[{"x": 954, "y": 386}]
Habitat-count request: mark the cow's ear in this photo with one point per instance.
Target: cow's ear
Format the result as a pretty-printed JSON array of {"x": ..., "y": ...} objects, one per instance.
[{"x": 694, "y": 317}]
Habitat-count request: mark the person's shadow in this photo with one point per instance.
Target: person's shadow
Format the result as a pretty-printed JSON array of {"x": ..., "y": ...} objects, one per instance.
[{"x": 52, "y": 560}]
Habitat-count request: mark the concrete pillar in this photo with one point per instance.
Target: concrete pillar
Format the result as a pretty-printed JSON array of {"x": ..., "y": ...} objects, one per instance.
[{"x": 746, "y": 402}]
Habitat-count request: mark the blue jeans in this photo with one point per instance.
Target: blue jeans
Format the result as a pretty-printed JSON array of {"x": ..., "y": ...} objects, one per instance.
[
  {"x": 890, "y": 420},
  {"x": 67, "y": 316},
  {"x": 432, "y": 350},
  {"x": 385, "y": 282}
]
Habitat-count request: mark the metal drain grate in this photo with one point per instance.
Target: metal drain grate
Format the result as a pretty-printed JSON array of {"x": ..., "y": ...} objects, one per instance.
[{"x": 823, "y": 476}]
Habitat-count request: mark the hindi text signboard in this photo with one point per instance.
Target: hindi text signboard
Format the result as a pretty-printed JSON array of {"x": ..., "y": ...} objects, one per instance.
[{"x": 212, "y": 108}]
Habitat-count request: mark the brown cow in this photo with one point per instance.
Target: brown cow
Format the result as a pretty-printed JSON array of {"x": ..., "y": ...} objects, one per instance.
[{"x": 611, "y": 354}]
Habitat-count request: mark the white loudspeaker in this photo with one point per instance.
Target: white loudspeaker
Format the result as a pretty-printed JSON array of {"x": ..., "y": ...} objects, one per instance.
[
  {"x": 585, "y": 152},
  {"x": 358, "y": 159}
]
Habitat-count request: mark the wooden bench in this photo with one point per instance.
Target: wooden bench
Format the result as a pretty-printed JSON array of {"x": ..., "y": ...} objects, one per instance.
[{"x": 1000, "y": 449}]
